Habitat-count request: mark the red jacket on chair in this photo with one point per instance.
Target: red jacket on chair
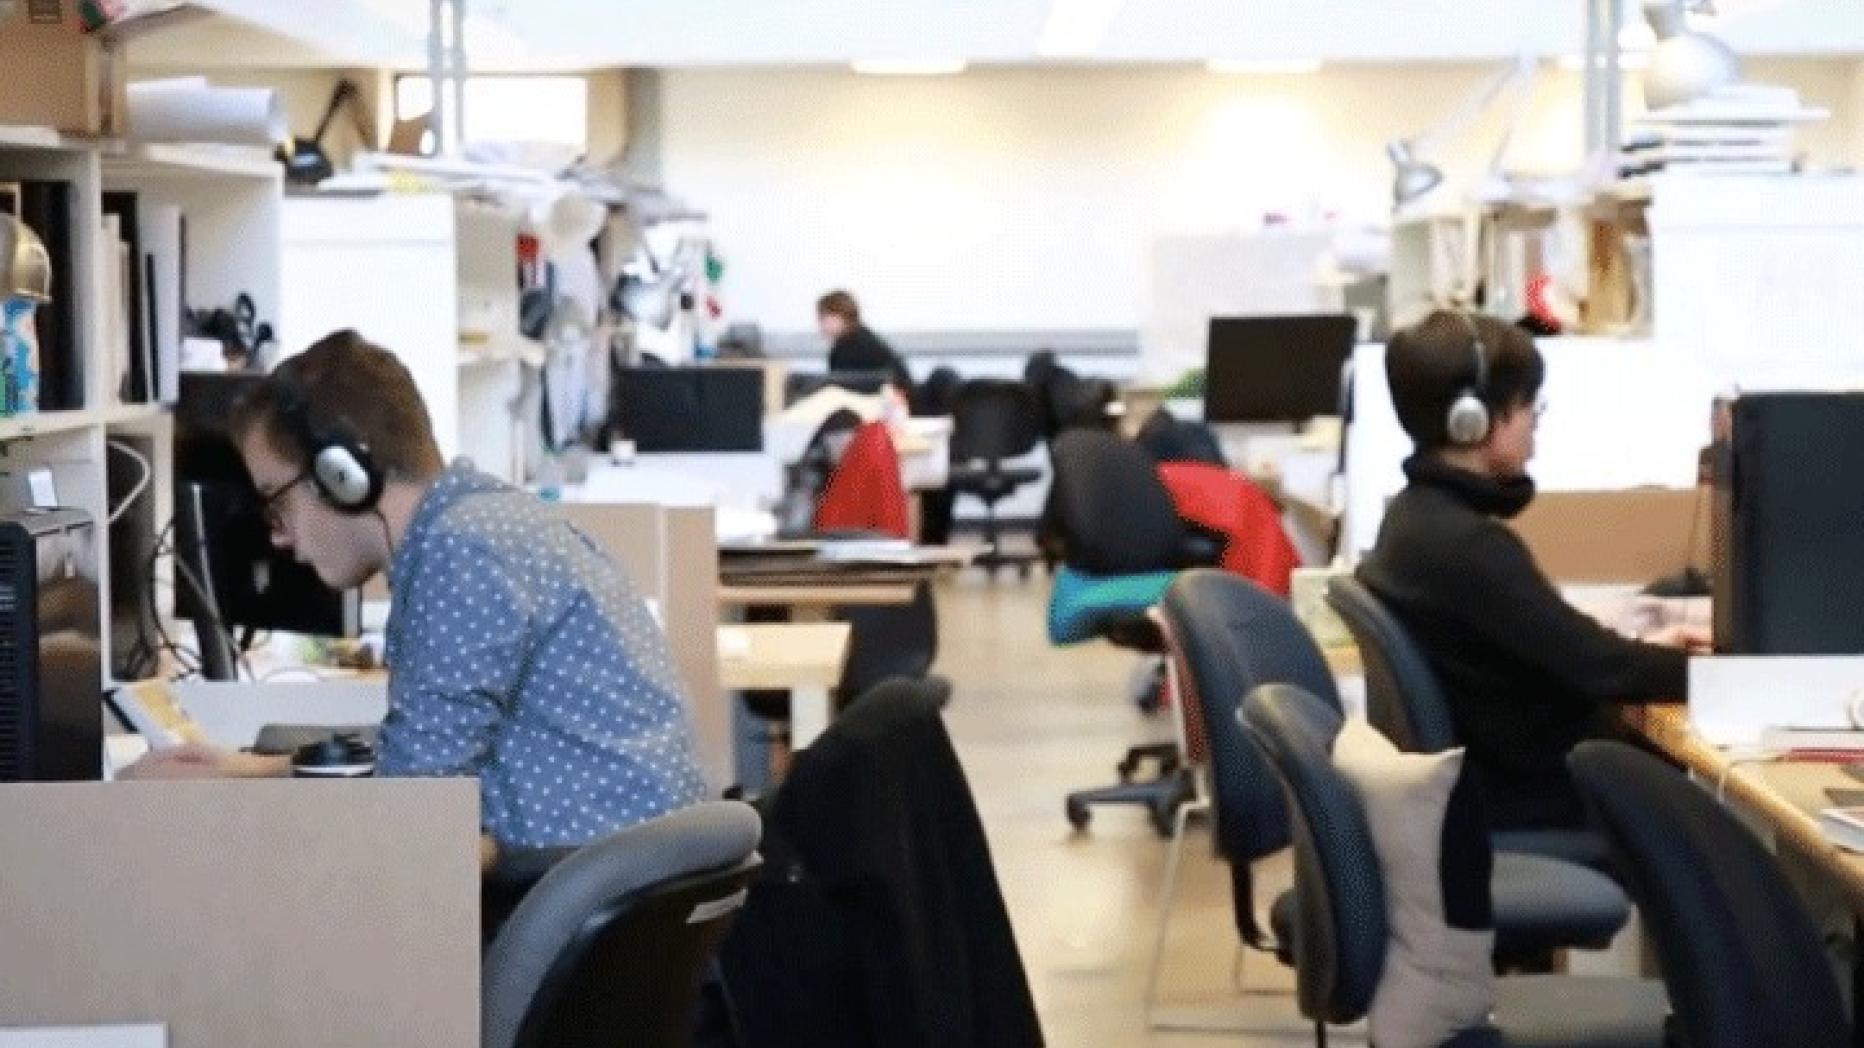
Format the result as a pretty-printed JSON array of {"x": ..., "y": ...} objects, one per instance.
[
  {"x": 1213, "y": 498},
  {"x": 864, "y": 493}
]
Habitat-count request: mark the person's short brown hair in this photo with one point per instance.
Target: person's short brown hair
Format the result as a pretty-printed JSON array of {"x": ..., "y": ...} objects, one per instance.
[
  {"x": 350, "y": 388},
  {"x": 839, "y": 304},
  {"x": 1429, "y": 364}
]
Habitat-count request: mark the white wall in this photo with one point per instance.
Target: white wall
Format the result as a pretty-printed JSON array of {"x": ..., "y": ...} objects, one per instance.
[{"x": 1027, "y": 198}]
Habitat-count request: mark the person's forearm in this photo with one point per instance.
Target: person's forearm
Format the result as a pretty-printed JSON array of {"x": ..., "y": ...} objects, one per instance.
[{"x": 259, "y": 766}]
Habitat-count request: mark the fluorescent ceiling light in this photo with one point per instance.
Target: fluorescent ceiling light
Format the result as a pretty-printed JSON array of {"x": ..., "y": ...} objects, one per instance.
[
  {"x": 1075, "y": 28},
  {"x": 909, "y": 66},
  {"x": 1263, "y": 66}
]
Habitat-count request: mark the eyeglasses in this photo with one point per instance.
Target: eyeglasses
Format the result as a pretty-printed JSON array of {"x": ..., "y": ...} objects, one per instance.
[{"x": 269, "y": 502}]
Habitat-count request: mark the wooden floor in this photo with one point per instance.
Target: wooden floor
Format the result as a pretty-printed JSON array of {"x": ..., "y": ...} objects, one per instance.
[{"x": 1033, "y": 722}]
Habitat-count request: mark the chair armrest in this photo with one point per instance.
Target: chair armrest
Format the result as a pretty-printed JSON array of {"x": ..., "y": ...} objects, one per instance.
[{"x": 518, "y": 868}]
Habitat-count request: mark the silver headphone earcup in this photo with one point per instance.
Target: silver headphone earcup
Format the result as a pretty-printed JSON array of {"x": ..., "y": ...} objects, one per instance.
[
  {"x": 1468, "y": 420},
  {"x": 341, "y": 477}
]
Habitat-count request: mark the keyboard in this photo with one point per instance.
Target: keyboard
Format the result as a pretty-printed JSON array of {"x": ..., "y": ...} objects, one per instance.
[{"x": 286, "y": 739}]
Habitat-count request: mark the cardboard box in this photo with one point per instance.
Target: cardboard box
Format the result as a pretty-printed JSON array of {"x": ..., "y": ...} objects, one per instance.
[
  {"x": 57, "y": 75},
  {"x": 1633, "y": 536}
]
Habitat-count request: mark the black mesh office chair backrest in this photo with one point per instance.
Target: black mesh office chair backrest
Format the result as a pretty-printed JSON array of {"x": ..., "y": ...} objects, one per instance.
[
  {"x": 993, "y": 420},
  {"x": 1403, "y": 698},
  {"x": 1171, "y": 439},
  {"x": 609, "y": 947},
  {"x": 1743, "y": 963},
  {"x": 1340, "y": 923},
  {"x": 1112, "y": 511}
]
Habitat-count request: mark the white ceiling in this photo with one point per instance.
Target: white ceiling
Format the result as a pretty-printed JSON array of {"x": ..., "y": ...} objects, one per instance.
[{"x": 584, "y": 34}]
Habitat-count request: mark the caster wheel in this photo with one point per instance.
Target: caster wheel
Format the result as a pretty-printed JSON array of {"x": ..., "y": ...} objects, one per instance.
[{"x": 1078, "y": 815}]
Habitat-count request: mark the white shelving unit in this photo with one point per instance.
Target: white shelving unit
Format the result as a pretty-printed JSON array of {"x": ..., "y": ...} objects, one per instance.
[
  {"x": 231, "y": 200},
  {"x": 431, "y": 277}
]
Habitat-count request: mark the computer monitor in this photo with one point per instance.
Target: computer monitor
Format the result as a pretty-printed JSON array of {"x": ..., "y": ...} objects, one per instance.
[
  {"x": 803, "y": 384},
  {"x": 1787, "y": 530},
  {"x": 222, "y": 537},
  {"x": 689, "y": 408},
  {"x": 1276, "y": 369}
]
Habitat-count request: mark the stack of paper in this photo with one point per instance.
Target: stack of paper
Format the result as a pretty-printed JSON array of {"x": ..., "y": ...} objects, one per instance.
[{"x": 1741, "y": 129}]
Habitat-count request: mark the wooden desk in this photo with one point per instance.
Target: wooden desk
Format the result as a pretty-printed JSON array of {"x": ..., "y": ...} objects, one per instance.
[
  {"x": 803, "y": 658},
  {"x": 1785, "y": 795},
  {"x": 813, "y": 602}
]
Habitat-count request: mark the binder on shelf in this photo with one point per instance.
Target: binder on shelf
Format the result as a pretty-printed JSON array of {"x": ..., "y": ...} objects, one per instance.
[
  {"x": 126, "y": 209},
  {"x": 165, "y": 291},
  {"x": 46, "y": 206}
]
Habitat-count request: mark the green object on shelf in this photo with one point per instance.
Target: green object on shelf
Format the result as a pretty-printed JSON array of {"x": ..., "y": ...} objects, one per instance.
[{"x": 1190, "y": 386}]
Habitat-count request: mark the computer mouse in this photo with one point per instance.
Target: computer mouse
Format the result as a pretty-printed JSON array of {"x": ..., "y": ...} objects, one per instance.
[{"x": 341, "y": 756}]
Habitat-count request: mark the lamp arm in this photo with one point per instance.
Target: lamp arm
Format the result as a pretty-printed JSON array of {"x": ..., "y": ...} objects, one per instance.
[{"x": 1524, "y": 67}]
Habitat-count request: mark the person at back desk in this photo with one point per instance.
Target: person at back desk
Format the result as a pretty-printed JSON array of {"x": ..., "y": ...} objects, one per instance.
[
  {"x": 853, "y": 346},
  {"x": 1527, "y": 675},
  {"x": 517, "y": 651}
]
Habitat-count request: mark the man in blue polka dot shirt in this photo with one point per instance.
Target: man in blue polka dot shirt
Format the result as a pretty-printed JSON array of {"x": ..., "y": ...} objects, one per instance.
[{"x": 517, "y": 650}]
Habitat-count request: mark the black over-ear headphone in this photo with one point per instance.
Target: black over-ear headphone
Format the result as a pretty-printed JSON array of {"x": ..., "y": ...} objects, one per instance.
[
  {"x": 1467, "y": 421},
  {"x": 339, "y": 463}
]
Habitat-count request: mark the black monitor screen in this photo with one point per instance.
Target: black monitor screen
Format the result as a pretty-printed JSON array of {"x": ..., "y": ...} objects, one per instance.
[
  {"x": 223, "y": 535},
  {"x": 689, "y": 408},
  {"x": 1276, "y": 369}
]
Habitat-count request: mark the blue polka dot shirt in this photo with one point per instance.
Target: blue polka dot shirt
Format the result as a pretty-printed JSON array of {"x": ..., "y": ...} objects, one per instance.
[{"x": 518, "y": 652}]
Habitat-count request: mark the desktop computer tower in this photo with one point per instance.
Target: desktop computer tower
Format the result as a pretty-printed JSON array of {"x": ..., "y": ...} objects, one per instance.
[
  {"x": 51, "y": 651},
  {"x": 1787, "y": 528}
]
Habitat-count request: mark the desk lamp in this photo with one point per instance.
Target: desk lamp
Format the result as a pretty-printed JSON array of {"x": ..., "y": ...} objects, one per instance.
[
  {"x": 1413, "y": 177},
  {"x": 1686, "y": 64}
]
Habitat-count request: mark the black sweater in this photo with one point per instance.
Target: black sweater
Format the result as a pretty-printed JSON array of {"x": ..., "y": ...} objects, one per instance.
[
  {"x": 1526, "y": 674},
  {"x": 859, "y": 349}
]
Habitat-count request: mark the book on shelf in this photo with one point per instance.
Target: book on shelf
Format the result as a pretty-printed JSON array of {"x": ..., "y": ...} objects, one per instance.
[
  {"x": 1843, "y": 827},
  {"x": 126, "y": 208}
]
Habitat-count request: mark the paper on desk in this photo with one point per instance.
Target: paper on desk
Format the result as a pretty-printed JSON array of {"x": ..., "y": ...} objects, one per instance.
[
  {"x": 148, "y": 1035},
  {"x": 1733, "y": 700}
]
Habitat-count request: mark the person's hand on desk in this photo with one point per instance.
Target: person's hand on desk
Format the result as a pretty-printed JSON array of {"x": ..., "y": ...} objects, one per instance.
[
  {"x": 193, "y": 760},
  {"x": 1692, "y": 638}
]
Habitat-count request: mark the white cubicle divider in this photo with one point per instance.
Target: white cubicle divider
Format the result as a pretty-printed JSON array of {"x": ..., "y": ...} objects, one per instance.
[{"x": 1620, "y": 415}]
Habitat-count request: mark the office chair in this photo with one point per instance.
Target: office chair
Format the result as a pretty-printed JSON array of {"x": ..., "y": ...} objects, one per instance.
[
  {"x": 1170, "y": 439},
  {"x": 1122, "y": 544},
  {"x": 1224, "y": 636},
  {"x": 1338, "y": 919},
  {"x": 610, "y": 945},
  {"x": 888, "y": 641},
  {"x": 879, "y": 919},
  {"x": 1068, "y": 400},
  {"x": 994, "y": 421},
  {"x": 1227, "y": 637},
  {"x": 1405, "y": 701},
  {"x": 1743, "y": 962}
]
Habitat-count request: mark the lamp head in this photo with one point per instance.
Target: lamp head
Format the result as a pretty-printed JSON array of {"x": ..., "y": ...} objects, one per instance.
[
  {"x": 25, "y": 267},
  {"x": 1411, "y": 177},
  {"x": 1685, "y": 64}
]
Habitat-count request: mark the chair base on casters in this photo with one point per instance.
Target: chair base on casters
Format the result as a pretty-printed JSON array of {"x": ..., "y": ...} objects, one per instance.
[
  {"x": 1164, "y": 753},
  {"x": 1162, "y": 798}
]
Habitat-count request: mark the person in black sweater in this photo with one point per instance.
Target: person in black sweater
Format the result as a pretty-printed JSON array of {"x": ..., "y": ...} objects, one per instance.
[
  {"x": 855, "y": 347},
  {"x": 1527, "y": 675}
]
